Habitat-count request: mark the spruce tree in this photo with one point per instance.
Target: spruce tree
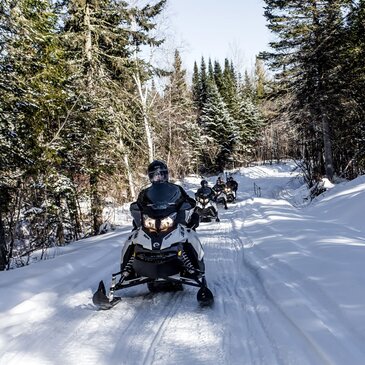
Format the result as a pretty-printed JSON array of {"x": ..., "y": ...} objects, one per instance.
[
  {"x": 178, "y": 115},
  {"x": 305, "y": 58},
  {"x": 103, "y": 38},
  {"x": 218, "y": 126},
  {"x": 196, "y": 85}
]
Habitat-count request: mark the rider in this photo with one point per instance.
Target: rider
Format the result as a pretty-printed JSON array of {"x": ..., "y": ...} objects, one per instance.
[
  {"x": 158, "y": 175},
  {"x": 209, "y": 193},
  {"x": 231, "y": 183},
  {"x": 205, "y": 190},
  {"x": 219, "y": 188}
]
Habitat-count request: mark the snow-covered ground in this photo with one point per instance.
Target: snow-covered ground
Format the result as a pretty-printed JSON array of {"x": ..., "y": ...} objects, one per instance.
[{"x": 288, "y": 281}]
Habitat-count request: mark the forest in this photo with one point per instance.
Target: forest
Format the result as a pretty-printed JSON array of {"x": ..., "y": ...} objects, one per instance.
[{"x": 81, "y": 115}]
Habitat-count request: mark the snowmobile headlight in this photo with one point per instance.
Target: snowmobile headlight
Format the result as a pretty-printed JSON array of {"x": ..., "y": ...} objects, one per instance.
[
  {"x": 149, "y": 223},
  {"x": 206, "y": 200},
  {"x": 167, "y": 222}
]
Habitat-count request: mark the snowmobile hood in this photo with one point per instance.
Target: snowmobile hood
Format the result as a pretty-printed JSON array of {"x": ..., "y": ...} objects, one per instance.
[{"x": 206, "y": 191}]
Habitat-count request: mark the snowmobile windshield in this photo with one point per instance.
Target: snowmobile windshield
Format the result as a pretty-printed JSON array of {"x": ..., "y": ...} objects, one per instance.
[
  {"x": 205, "y": 192},
  {"x": 163, "y": 199}
]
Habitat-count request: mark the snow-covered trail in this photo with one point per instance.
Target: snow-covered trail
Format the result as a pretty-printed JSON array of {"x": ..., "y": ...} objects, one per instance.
[
  {"x": 267, "y": 310},
  {"x": 243, "y": 326}
]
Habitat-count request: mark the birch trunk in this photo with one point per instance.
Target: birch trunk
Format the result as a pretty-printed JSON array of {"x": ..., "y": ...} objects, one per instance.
[
  {"x": 143, "y": 98},
  {"x": 128, "y": 169}
]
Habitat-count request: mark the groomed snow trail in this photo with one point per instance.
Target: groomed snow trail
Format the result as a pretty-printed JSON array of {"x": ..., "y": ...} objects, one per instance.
[{"x": 265, "y": 311}]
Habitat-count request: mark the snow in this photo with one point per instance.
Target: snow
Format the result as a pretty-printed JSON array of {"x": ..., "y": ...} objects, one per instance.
[{"x": 287, "y": 276}]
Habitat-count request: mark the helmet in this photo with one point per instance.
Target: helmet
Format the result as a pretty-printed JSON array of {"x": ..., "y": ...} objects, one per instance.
[
  {"x": 204, "y": 183},
  {"x": 219, "y": 180},
  {"x": 230, "y": 178},
  {"x": 158, "y": 172}
]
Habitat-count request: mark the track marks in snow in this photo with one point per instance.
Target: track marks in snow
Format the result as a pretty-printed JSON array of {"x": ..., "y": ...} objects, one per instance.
[
  {"x": 244, "y": 306},
  {"x": 302, "y": 302}
]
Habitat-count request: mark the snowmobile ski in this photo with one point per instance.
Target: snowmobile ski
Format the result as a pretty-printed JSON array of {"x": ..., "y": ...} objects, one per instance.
[
  {"x": 205, "y": 297},
  {"x": 101, "y": 300}
]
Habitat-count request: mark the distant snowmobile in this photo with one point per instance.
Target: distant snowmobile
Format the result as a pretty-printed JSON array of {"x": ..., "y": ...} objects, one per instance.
[
  {"x": 206, "y": 207},
  {"x": 164, "y": 253},
  {"x": 231, "y": 189},
  {"x": 230, "y": 194},
  {"x": 220, "y": 194}
]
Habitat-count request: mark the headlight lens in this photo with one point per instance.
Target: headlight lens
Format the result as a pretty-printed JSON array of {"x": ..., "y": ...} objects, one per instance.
[
  {"x": 149, "y": 223},
  {"x": 166, "y": 223}
]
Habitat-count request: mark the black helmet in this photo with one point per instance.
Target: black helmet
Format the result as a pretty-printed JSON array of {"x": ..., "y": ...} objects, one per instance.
[
  {"x": 158, "y": 172},
  {"x": 204, "y": 183}
]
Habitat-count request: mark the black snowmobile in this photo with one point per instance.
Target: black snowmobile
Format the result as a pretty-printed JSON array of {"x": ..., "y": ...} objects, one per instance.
[
  {"x": 206, "y": 207},
  {"x": 161, "y": 252}
]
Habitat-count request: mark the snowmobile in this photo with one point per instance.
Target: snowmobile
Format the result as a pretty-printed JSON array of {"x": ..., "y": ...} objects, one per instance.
[
  {"x": 161, "y": 252},
  {"x": 230, "y": 194},
  {"x": 205, "y": 207},
  {"x": 220, "y": 197}
]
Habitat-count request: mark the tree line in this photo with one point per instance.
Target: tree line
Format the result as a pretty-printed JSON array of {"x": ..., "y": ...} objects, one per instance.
[
  {"x": 81, "y": 115},
  {"x": 317, "y": 59}
]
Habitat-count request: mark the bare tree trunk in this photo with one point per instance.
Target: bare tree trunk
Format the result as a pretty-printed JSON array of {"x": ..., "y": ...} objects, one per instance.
[
  {"x": 3, "y": 249},
  {"x": 88, "y": 43},
  {"x": 129, "y": 173},
  {"x": 328, "y": 162},
  {"x": 96, "y": 208}
]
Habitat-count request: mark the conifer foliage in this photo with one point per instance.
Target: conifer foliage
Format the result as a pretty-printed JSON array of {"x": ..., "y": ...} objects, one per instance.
[
  {"x": 320, "y": 80},
  {"x": 68, "y": 115},
  {"x": 229, "y": 118}
]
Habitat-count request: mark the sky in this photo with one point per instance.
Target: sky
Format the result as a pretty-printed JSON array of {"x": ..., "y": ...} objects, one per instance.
[
  {"x": 287, "y": 276},
  {"x": 218, "y": 29}
]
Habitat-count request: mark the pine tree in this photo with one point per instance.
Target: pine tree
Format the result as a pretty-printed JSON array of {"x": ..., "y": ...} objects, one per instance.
[
  {"x": 218, "y": 126},
  {"x": 196, "y": 85},
  {"x": 203, "y": 84},
  {"x": 179, "y": 117},
  {"x": 33, "y": 93},
  {"x": 103, "y": 49},
  {"x": 218, "y": 77},
  {"x": 305, "y": 58}
]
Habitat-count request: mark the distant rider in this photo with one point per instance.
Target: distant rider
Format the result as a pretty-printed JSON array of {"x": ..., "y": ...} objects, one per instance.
[
  {"x": 207, "y": 192},
  {"x": 231, "y": 183},
  {"x": 219, "y": 192}
]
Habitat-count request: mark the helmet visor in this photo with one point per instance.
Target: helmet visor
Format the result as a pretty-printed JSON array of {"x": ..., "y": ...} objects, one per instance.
[{"x": 158, "y": 175}]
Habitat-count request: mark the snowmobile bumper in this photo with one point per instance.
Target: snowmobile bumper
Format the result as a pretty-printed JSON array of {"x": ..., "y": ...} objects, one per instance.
[
  {"x": 206, "y": 214},
  {"x": 157, "y": 264}
]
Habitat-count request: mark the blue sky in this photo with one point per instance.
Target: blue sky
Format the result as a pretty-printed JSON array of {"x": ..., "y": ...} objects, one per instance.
[{"x": 232, "y": 28}]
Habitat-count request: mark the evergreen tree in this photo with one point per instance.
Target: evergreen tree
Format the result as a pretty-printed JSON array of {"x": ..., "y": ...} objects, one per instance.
[
  {"x": 179, "y": 118},
  {"x": 229, "y": 90},
  {"x": 196, "y": 85},
  {"x": 33, "y": 92},
  {"x": 102, "y": 50},
  {"x": 203, "y": 83},
  {"x": 218, "y": 77},
  {"x": 306, "y": 59},
  {"x": 218, "y": 126}
]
